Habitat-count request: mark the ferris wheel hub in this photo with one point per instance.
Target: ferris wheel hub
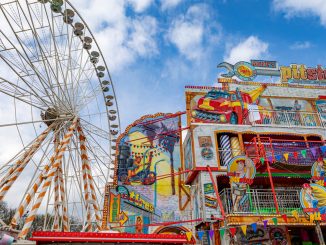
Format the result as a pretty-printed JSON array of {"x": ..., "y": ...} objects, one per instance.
[{"x": 51, "y": 115}]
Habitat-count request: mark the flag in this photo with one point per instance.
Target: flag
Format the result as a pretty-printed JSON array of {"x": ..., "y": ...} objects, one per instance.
[
  {"x": 295, "y": 214},
  {"x": 188, "y": 235},
  {"x": 304, "y": 153},
  {"x": 222, "y": 231},
  {"x": 313, "y": 151},
  {"x": 233, "y": 230},
  {"x": 211, "y": 233},
  {"x": 265, "y": 223},
  {"x": 270, "y": 159},
  {"x": 286, "y": 156},
  {"x": 200, "y": 235},
  {"x": 285, "y": 218},
  {"x": 323, "y": 149},
  {"x": 295, "y": 155},
  {"x": 262, "y": 160},
  {"x": 274, "y": 220},
  {"x": 244, "y": 229},
  {"x": 254, "y": 227},
  {"x": 278, "y": 158}
]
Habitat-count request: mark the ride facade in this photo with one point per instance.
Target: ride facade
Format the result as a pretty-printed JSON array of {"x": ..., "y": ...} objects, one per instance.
[{"x": 257, "y": 155}]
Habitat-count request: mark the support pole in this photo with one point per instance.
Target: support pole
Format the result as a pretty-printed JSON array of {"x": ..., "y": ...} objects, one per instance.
[
  {"x": 56, "y": 190},
  {"x": 319, "y": 233},
  {"x": 62, "y": 148},
  {"x": 216, "y": 192},
  {"x": 90, "y": 198},
  {"x": 19, "y": 166},
  {"x": 65, "y": 217},
  {"x": 272, "y": 185}
]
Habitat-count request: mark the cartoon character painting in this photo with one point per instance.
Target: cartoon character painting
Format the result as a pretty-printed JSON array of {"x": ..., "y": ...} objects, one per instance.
[
  {"x": 219, "y": 106},
  {"x": 313, "y": 196},
  {"x": 241, "y": 171},
  {"x": 318, "y": 169}
]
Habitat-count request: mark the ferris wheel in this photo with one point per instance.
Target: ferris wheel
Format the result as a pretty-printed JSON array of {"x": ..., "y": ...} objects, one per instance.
[{"x": 59, "y": 116}]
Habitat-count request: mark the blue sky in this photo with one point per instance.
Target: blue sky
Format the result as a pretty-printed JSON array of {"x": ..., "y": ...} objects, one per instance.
[{"x": 156, "y": 47}]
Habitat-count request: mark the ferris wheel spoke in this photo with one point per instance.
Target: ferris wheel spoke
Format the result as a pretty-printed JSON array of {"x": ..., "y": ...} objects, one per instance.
[
  {"x": 56, "y": 70},
  {"x": 30, "y": 43},
  {"x": 29, "y": 60},
  {"x": 22, "y": 68},
  {"x": 95, "y": 130}
]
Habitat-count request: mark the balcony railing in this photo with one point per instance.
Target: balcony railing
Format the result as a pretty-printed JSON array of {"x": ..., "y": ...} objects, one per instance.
[
  {"x": 268, "y": 147},
  {"x": 261, "y": 202},
  {"x": 286, "y": 118}
]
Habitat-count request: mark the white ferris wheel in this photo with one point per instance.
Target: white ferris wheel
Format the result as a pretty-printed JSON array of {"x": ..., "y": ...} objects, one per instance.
[{"x": 59, "y": 116}]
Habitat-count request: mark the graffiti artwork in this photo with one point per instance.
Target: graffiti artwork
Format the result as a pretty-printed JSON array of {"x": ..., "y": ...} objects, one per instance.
[
  {"x": 313, "y": 198},
  {"x": 241, "y": 171},
  {"x": 220, "y": 106}
]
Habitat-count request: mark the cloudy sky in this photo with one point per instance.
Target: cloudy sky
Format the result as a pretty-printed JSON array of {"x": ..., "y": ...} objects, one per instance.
[{"x": 156, "y": 47}]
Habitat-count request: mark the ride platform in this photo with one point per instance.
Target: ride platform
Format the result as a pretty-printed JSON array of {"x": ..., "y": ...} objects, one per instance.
[{"x": 48, "y": 237}]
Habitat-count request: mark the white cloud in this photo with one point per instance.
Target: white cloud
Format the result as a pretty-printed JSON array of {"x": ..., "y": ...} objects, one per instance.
[
  {"x": 140, "y": 5},
  {"x": 189, "y": 32},
  {"x": 301, "y": 45},
  {"x": 142, "y": 40},
  {"x": 167, "y": 4},
  {"x": 293, "y": 8},
  {"x": 187, "y": 37},
  {"x": 250, "y": 48}
]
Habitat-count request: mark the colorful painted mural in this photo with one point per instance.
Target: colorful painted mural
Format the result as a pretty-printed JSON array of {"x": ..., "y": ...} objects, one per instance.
[
  {"x": 188, "y": 160},
  {"x": 241, "y": 171},
  {"x": 321, "y": 107},
  {"x": 313, "y": 198},
  {"x": 221, "y": 106},
  {"x": 149, "y": 148},
  {"x": 146, "y": 181}
]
